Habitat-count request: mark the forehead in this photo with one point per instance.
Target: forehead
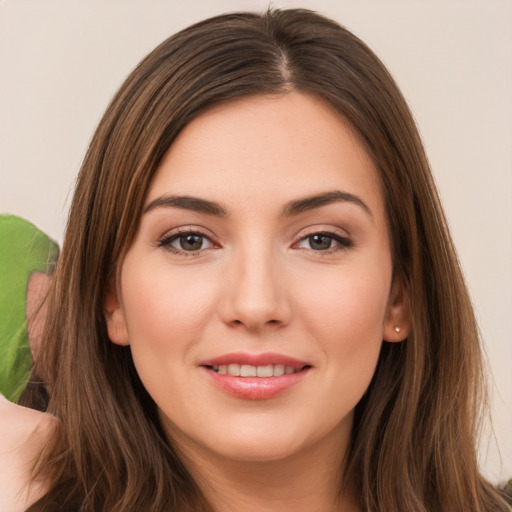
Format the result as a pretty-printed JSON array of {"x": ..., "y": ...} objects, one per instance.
[{"x": 270, "y": 149}]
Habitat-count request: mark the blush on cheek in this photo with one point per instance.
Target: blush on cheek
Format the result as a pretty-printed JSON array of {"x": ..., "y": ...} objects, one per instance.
[
  {"x": 164, "y": 307},
  {"x": 347, "y": 309}
]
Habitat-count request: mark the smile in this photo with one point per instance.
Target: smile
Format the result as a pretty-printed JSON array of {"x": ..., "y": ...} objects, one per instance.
[{"x": 255, "y": 376}]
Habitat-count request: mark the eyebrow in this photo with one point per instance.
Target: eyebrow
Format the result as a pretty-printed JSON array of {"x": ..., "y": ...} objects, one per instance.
[
  {"x": 295, "y": 207},
  {"x": 195, "y": 204},
  {"x": 305, "y": 204}
]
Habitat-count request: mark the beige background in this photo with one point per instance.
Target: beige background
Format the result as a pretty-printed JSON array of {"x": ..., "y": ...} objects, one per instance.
[{"x": 61, "y": 61}]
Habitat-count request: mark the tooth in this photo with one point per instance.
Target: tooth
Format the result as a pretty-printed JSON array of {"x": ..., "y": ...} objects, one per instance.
[
  {"x": 234, "y": 369},
  {"x": 247, "y": 371},
  {"x": 278, "y": 370},
  {"x": 265, "y": 371}
]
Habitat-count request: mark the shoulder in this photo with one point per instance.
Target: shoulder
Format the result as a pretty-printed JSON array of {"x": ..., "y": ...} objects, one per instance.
[{"x": 23, "y": 433}]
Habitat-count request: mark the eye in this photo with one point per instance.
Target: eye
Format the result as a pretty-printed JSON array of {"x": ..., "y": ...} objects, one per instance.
[
  {"x": 324, "y": 242},
  {"x": 186, "y": 242}
]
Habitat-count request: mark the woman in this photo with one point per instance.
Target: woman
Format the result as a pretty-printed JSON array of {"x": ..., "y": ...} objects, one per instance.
[{"x": 258, "y": 305}]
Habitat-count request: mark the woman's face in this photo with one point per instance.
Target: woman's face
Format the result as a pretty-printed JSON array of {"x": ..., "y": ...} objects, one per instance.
[{"x": 258, "y": 290}]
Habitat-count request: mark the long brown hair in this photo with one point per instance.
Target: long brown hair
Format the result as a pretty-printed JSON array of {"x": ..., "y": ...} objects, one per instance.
[{"x": 413, "y": 440}]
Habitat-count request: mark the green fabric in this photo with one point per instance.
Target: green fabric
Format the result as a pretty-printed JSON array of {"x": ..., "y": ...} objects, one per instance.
[{"x": 24, "y": 249}]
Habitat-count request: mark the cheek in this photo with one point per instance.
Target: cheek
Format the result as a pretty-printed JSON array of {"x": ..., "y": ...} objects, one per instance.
[
  {"x": 165, "y": 307},
  {"x": 345, "y": 316},
  {"x": 354, "y": 302},
  {"x": 166, "y": 312}
]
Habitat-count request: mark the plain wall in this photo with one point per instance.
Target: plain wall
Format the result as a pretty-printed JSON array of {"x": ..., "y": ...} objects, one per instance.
[{"x": 61, "y": 61}]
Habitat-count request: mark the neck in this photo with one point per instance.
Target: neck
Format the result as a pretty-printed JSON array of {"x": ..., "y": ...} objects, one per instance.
[{"x": 305, "y": 481}]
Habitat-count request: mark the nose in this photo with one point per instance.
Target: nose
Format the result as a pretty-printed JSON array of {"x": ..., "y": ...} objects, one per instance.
[{"x": 255, "y": 293}]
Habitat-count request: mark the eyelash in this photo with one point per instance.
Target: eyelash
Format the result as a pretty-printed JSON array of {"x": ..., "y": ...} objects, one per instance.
[
  {"x": 343, "y": 242},
  {"x": 166, "y": 241}
]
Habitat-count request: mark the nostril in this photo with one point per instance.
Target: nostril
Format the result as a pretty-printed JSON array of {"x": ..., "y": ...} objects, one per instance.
[{"x": 268, "y": 323}]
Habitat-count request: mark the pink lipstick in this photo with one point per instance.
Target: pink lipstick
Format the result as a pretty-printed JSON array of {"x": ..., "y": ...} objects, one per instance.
[{"x": 255, "y": 376}]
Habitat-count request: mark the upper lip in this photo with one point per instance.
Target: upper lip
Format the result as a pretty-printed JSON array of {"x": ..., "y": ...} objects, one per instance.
[{"x": 263, "y": 359}]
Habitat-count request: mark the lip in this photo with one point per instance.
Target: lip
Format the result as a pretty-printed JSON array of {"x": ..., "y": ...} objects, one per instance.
[
  {"x": 255, "y": 388},
  {"x": 263, "y": 359}
]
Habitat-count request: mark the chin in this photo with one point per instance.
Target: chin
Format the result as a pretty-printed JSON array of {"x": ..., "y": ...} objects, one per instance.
[
  {"x": 258, "y": 450},
  {"x": 265, "y": 442}
]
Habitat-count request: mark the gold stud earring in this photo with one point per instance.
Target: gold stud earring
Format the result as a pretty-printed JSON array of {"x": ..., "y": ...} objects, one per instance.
[{"x": 397, "y": 329}]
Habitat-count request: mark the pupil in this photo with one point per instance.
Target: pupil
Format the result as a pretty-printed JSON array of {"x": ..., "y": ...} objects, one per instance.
[
  {"x": 320, "y": 242},
  {"x": 191, "y": 242}
]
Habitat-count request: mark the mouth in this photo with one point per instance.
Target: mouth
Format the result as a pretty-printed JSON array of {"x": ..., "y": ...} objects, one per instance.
[{"x": 255, "y": 377}]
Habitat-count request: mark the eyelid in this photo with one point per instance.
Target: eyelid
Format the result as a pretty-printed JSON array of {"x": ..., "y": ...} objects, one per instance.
[{"x": 327, "y": 229}]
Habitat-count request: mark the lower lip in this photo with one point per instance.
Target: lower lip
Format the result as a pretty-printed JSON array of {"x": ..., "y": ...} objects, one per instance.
[{"x": 255, "y": 388}]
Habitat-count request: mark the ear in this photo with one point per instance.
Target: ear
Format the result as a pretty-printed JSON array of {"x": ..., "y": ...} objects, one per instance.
[
  {"x": 114, "y": 315},
  {"x": 397, "y": 323}
]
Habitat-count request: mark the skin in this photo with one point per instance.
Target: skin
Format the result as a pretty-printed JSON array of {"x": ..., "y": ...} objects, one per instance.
[
  {"x": 258, "y": 283},
  {"x": 23, "y": 434},
  {"x": 36, "y": 310}
]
